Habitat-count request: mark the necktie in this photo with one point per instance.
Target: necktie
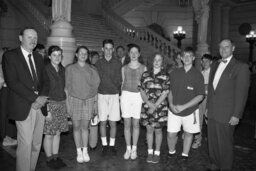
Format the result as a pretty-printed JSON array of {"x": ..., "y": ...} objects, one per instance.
[
  {"x": 224, "y": 60},
  {"x": 33, "y": 71}
]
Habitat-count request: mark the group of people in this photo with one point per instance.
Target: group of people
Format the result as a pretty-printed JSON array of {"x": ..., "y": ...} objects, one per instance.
[{"x": 41, "y": 98}]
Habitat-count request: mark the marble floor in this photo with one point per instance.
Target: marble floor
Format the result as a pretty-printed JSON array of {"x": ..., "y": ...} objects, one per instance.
[{"x": 245, "y": 155}]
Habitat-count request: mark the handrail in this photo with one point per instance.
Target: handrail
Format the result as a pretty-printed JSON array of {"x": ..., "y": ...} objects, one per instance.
[
  {"x": 141, "y": 34},
  {"x": 37, "y": 14}
]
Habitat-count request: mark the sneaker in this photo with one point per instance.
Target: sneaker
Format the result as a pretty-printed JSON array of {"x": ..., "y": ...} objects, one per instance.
[
  {"x": 51, "y": 164},
  {"x": 112, "y": 150},
  {"x": 86, "y": 156},
  {"x": 150, "y": 158},
  {"x": 127, "y": 154},
  {"x": 79, "y": 157},
  {"x": 183, "y": 158},
  {"x": 104, "y": 150},
  {"x": 156, "y": 159},
  {"x": 134, "y": 155},
  {"x": 170, "y": 156}
]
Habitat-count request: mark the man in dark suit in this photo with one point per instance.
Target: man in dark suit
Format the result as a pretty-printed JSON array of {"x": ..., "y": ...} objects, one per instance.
[
  {"x": 22, "y": 71},
  {"x": 227, "y": 94}
]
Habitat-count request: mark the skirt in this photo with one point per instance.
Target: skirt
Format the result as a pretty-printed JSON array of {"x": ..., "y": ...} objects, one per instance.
[
  {"x": 59, "y": 120},
  {"x": 82, "y": 109}
]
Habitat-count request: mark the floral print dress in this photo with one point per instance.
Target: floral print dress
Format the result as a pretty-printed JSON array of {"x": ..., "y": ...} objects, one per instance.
[{"x": 154, "y": 85}]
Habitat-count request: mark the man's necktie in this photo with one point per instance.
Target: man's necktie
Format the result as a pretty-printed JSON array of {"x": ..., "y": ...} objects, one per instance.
[{"x": 33, "y": 71}]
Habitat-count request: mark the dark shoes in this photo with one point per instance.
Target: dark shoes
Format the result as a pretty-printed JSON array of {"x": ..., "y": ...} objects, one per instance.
[
  {"x": 104, "y": 150},
  {"x": 111, "y": 150},
  {"x": 56, "y": 163}
]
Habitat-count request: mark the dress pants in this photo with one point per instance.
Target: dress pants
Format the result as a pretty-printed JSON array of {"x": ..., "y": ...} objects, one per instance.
[
  {"x": 220, "y": 141},
  {"x": 29, "y": 136}
]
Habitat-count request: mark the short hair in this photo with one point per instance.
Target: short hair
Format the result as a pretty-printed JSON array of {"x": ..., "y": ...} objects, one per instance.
[
  {"x": 53, "y": 48},
  {"x": 132, "y": 45},
  {"x": 26, "y": 28},
  {"x": 188, "y": 50},
  {"x": 107, "y": 41},
  {"x": 118, "y": 47},
  {"x": 230, "y": 40},
  {"x": 207, "y": 56}
]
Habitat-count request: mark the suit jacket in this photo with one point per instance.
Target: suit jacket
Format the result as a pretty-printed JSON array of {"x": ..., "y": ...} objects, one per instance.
[
  {"x": 229, "y": 97},
  {"x": 20, "y": 83}
]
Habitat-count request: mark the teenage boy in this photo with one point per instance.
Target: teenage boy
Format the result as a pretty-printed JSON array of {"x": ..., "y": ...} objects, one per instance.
[
  {"x": 206, "y": 62},
  {"x": 186, "y": 92},
  {"x": 109, "y": 69}
]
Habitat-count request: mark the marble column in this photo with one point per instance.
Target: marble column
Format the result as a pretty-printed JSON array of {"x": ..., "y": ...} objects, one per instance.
[
  {"x": 201, "y": 10},
  {"x": 61, "y": 30},
  {"x": 225, "y": 22}
]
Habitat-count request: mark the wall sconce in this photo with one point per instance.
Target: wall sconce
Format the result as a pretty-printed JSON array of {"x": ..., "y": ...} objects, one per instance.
[
  {"x": 251, "y": 39},
  {"x": 179, "y": 34}
]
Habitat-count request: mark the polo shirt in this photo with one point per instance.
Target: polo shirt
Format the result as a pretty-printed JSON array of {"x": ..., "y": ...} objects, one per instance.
[
  {"x": 110, "y": 75},
  {"x": 185, "y": 86}
]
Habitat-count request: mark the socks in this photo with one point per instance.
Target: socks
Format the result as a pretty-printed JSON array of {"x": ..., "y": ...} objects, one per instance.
[
  {"x": 79, "y": 150},
  {"x": 172, "y": 152},
  {"x": 129, "y": 148},
  {"x": 134, "y": 148},
  {"x": 112, "y": 142},
  {"x": 157, "y": 153},
  {"x": 150, "y": 151},
  {"x": 85, "y": 150},
  {"x": 104, "y": 141},
  {"x": 183, "y": 154}
]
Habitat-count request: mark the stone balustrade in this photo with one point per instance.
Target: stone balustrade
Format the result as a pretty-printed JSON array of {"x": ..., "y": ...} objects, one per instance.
[{"x": 140, "y": 35}]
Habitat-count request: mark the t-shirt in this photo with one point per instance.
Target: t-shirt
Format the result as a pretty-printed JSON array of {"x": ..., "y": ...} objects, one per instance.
[{"x": 185, "y": 86}]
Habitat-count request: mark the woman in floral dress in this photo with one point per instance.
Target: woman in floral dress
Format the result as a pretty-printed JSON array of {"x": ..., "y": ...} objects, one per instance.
[{"x": 154, "y": 89}]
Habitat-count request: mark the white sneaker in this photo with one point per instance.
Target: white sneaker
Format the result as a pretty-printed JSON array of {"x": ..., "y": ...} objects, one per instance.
[
  {"x": 127, "y": 154},
  {"x": 86, "y": 156},
  {"x": 134, "y": 155},
  {"x": 79, "y": 157}
]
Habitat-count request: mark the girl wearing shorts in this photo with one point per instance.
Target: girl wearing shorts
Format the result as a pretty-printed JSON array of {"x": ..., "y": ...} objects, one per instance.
[
  {"x": 131, "y": 100},
  {"x": 56, "y": 119},
  {"x": 82, "y": 81}
]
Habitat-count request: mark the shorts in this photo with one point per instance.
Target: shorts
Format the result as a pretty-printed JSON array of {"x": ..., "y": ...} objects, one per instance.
[
  {"x": 189, "y": 123},
  {"x": 108, "y": 107},
  {"x": 131, "y": 103}
]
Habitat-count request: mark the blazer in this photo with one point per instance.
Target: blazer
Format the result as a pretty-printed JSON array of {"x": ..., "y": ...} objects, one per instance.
[
  {"x": 20, "y": 84},
  {"x": 230, "y": 95}
]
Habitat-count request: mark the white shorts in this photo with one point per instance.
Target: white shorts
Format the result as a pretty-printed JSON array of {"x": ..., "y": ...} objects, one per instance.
[
  {"x": 189, "y": 123},
  {"x": 108, "y": 107},
  {"x": 131, "y": 104}
]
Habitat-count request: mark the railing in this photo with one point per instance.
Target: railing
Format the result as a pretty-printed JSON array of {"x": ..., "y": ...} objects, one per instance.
[
  {"x": 142, "y": 34},
  {"x": 46, "y": 23}
]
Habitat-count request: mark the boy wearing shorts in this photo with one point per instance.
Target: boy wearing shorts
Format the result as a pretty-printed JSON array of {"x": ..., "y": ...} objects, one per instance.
[
  {"x": 109, "y": 69},
  {"x": 186, "y": 92}
]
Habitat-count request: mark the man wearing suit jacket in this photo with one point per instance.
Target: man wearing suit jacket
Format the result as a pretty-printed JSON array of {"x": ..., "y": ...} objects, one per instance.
[
  {"x": 227, "y": 94},
  {"x": 22, "y": 70}
]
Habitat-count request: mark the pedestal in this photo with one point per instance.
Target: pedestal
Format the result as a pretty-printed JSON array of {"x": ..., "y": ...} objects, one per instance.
[
  {"x": 202, "y": 48},
  {"x": 61, "y": 35}
]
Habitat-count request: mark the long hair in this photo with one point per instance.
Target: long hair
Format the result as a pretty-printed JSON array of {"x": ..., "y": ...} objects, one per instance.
[{"x": 151, "y": 61}]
